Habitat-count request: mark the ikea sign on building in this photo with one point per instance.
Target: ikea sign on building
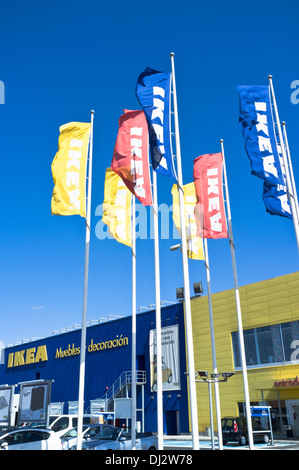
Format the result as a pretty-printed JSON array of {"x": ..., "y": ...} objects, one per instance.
[{"x": 108, "y": 356}]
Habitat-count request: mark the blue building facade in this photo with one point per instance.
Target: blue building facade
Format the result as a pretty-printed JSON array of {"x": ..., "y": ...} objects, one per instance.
[{"x": 108, "y": 356}]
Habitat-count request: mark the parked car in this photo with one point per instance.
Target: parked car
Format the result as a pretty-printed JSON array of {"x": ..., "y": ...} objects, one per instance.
[
  {"x": 6, "y": 429},
  {"x": 64, "y": 423},
  {"x": 30, "y": 439},
  {"x": 69, "y": 439},
  {"x": 235, "y": 430},
  {"x": 113, "y": 438}
]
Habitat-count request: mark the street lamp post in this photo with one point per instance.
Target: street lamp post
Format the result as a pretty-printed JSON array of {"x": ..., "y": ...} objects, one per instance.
[{"x": 214, "y": 378}]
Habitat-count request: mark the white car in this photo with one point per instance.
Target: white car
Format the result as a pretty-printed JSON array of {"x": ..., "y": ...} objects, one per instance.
[
  {"x": 69, "y": 439},
  {"x": 64, "y": 423},
  {"x": 31, "y": 439},
  {"x": 113, "y": 438}
]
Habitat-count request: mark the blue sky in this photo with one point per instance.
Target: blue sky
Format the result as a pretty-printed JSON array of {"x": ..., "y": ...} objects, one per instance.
[{"x": 59, "y": 60}]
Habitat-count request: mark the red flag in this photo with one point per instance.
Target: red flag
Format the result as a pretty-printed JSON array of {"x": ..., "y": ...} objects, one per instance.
[
  {"x": 130, "y": 157},
  {"x": 210, "y": 212}
]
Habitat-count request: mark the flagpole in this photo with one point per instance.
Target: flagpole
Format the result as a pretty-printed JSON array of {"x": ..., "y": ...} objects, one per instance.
[
  {"x": 291, "y": 168},
  {"x": 85, "y": 291},
  {"x": 238, "y": 306},
  {"x": 158, "y": 318},
  {"x": 284, "y": 157},
  {"x": 133, "y": 406},
  {"x": 217, "y": 399},
  {"x": 188, "y": 320}
]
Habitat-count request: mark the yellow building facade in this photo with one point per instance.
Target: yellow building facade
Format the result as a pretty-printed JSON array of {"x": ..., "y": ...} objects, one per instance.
[{"x": 270, "y": 316}]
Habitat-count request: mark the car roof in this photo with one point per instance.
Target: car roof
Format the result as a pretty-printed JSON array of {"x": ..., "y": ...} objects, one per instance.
[
  {"x": 31, "y": 430},
  {"x": 50, "y": 431}
]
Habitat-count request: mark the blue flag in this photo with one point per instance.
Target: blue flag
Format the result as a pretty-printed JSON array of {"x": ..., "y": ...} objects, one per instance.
[
  {"x": 153, "y": 93},
  {"x": 276, "y": 200},
  {"x": 258, "y": 132},
  {"x": 263, "y": 148}
]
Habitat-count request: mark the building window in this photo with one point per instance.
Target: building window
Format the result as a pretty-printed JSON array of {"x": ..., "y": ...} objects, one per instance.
[
  {"x": 271, "y": 344},
  {"x": 290, "y": 338}
]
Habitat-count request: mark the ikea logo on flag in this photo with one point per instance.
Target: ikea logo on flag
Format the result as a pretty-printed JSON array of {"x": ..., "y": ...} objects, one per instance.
[
  {"x": 264, "y": 141},
  {"x": 73, "y": 177},
  {"x": 158, "y": 113},
  {"x": 214, "y": 200},
  {"x": 137, "y": 161}
]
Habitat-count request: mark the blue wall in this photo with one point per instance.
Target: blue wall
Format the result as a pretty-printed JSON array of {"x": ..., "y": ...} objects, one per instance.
[{"x": 104, "y": 366}]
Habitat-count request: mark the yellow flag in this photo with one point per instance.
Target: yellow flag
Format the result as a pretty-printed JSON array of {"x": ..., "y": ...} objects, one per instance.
[
  {"x": 69, "y": 170},
  {"x": 194, "y": 243},
  {"x": 117, "y": 208}
]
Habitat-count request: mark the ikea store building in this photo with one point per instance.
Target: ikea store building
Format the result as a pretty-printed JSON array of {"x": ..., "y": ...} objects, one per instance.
[
  {"x": 270, "y": 314},
  {"x": 108, "y": 367}
]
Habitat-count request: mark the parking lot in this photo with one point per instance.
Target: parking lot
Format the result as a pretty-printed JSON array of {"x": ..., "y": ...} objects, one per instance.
[
  {"x": 185, "y": 443},
  {"x": 107, "y": 437}
]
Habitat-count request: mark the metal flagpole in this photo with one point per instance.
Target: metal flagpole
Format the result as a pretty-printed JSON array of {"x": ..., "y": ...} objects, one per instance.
[
  {"x": 294, "y": 191},
  {"x": 84, "y": 313},
  {"x": 188, "y": 320},
  {"x": 238, "y": 306},
  {"x": 133, "y": 404},
  {"x": 217, "y": 399},
  {"x": 158, "y": 318},
  {"x": 284, "y": 157}
]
